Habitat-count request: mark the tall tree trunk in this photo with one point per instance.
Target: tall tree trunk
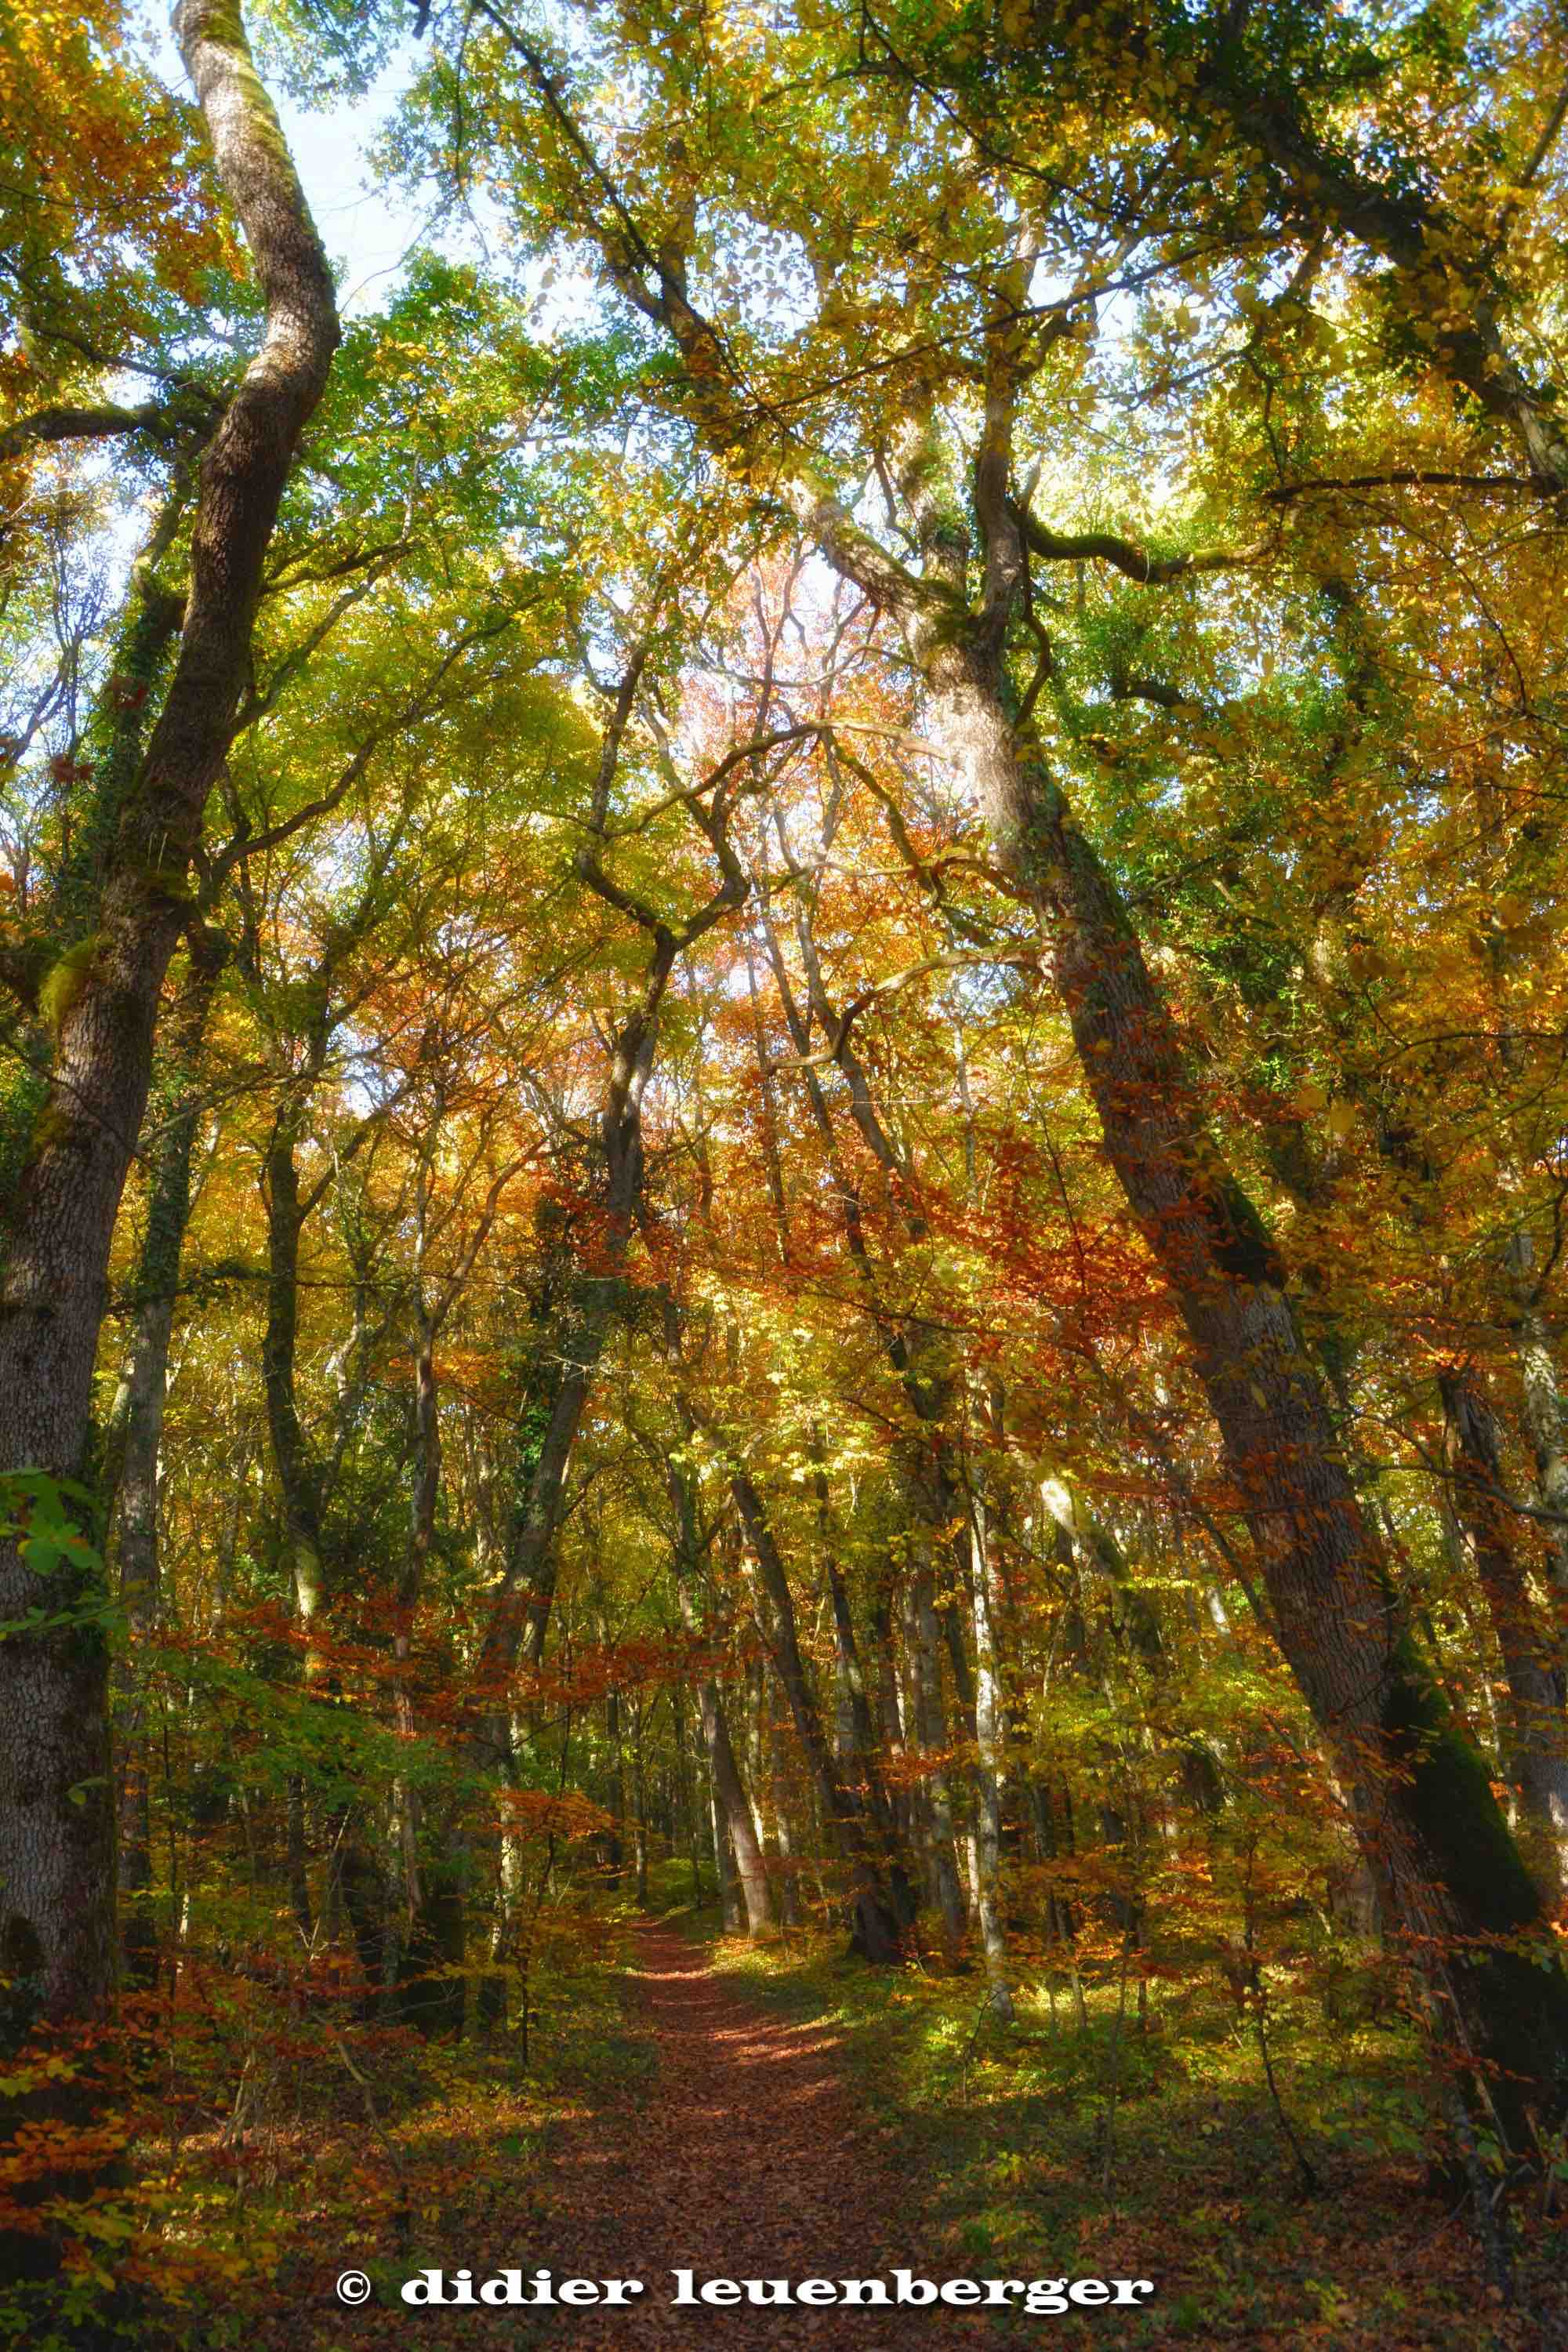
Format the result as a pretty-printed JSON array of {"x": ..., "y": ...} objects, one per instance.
[
  {"x": 438, "y": 1870},
  {"x": 756, "y": 1707},
  {"x": 424, "y": 1499},
  {"x": 614, "y": 1843},
  {"x": 922, "y": 1650},
  {"x": 57, "y": 1829},
  {"x": 729, "y": 1793},
  {"x": 1543, "y": 1416},
  {"x": 855, "y": 1703},
  {"x": 890, "y": 1712},
  {"x": 735, "y": 1810},
  {"x": 354, "y": 1887},
  {"x": 639, "y": 1808},
  {"x": 879, "y": 1926},
  {"x": 686, "y": 1775},
  {"x": 1537, "y": 1744},
  {"x": 520, "y": 1604},
  {"x": 138, "y": 1422},
  {"x": 783, "y": 1836},
  {"x": 299, "y": 1479},
  {"x": 1450, "y": 1874},
  {"x": 989, "y": 1717},
  {"x": 521, "y": 1612},
  {"x": 730, "y": 1913}
]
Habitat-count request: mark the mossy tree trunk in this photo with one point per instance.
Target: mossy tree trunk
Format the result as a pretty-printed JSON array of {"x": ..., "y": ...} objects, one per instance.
[
  {"x": 1456, "y": 1891},
  {"x": 57, "y": 1830},
  {"x": 1537, "y": 1733},
  {"x": 136, "y": 1432}
]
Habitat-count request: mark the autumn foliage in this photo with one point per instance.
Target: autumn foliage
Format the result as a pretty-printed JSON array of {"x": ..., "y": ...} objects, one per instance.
[{"x": 783, "y": 1126}]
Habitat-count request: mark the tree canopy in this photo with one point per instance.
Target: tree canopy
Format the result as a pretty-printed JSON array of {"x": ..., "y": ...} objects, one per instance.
[{"x": 781, "y": 1062}]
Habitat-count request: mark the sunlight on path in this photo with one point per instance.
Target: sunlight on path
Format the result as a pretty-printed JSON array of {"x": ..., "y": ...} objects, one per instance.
[{"x": 747, "y": 2159}]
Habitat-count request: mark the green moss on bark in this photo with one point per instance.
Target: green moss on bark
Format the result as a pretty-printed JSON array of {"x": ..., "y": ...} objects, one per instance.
[{"x": 1514, "y": 1999}]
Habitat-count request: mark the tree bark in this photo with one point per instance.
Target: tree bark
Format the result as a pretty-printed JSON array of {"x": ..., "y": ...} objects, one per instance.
[
  {"x": 137, "y": 1436},
  {"x": 730, "y": 1911},
  {"x": 878, "y": 1927},
  {"x": 729, "y": 1788},
  {"x": 989, "y": 1717},
  {"x": 1537, "y": 1763},
  {"x": 57, "y": 1835}
]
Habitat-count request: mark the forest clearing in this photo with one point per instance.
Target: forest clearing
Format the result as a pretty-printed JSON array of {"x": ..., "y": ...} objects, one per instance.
[{"x": 784, "y": 1142}]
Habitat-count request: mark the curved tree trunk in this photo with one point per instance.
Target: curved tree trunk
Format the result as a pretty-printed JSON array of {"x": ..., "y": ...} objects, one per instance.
[
  {"x": 1449, "y": 1873},
  {"x": 57, "y": 1837}
]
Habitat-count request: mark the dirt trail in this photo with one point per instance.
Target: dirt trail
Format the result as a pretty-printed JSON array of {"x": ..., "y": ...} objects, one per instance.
[{"x": 746, "y": 2159}]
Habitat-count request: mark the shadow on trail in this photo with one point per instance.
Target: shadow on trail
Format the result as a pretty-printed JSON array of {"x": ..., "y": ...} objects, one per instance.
[{"x": 745, "y": 2156}]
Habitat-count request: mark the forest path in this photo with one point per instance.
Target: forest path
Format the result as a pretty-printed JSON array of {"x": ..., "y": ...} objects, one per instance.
[{"x": 746, "y": 2157}]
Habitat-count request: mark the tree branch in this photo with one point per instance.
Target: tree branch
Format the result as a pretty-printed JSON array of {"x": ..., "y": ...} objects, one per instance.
[
  {"x": 96, "y": 424},
  {"x": 1137, "y": 564}
]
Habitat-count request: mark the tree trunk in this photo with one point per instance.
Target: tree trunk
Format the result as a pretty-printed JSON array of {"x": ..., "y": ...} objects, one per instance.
[
  {"x": 891, "y": 1714},
  {"x": 724, "y": 1865},
  {"x": 138, "y": 1437},
  {"x": 614, "y": 1844},
  {"x": 297, "y": 1478},
  {"x": 784, "y": 1837},
  {"x": 989, "y": 1730},
  {"x": 424, "y": 1499},
  {"x": 930, "y": 1727},
  {"x": 687, "y": 1775},
  {"x": 1537, "y": 1760},
  {"x": 735, "y": 1810},
  {"x": 878, "y": 1927},
  {"x": 639, "y": 1813},
  {"x": 520, "y": 1604},
  {"x": 1451, "y": 1877},
  {"x": 855, "y": 1704},
  {"x": 1543, "y": 1417},
  {"x": 57, "y": 1830}
]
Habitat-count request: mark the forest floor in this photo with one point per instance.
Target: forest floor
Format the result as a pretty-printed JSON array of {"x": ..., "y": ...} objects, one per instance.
[
  {"x": 781, "y": 2112},
  {"x": 1107, "y": 2148},
  {"x": 748, "y": 2157},
  {"x": 718, "y": 2135}
]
